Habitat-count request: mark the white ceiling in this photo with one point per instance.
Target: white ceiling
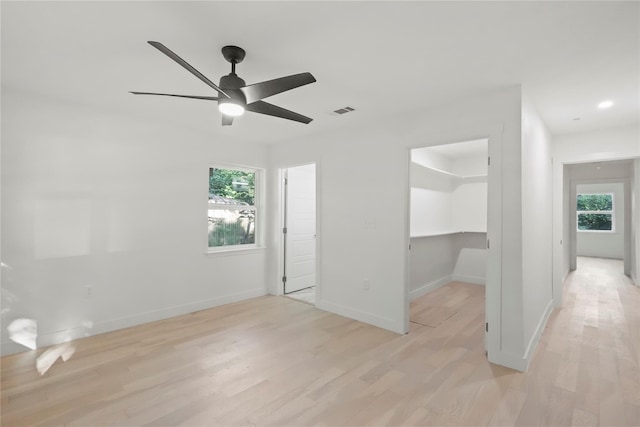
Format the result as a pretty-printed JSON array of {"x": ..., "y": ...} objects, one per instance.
[{"x": 382, "y": 58}]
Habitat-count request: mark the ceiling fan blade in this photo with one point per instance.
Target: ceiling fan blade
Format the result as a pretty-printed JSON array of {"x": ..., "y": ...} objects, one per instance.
[
  {"x": 273, "y": 110},
  {"x": 227, "y": 120},
  {"x": 208, "y": 98},
  {"x": 258, "y": 91},
  {"x": 162, "y": 48}
]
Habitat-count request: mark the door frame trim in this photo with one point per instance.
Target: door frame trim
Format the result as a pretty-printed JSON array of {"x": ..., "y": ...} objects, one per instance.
[{"x": 279, "y": 258}]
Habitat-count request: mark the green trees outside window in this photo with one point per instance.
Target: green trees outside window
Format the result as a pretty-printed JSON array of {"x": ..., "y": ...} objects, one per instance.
[
  {"x": 595, "y": 212},
  {"x": 232, "y": 208}
]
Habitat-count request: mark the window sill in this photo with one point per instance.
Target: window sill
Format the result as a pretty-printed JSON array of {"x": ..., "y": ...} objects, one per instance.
[{"x": 234, "y": 251}]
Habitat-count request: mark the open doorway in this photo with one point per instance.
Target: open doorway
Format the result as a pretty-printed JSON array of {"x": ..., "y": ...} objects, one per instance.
[
  {"x": 599, "y": 212},
  {"x": 600, "y": 225},
  {"x": 448, "y": 236},
  {"x": 298, "y": 267}
]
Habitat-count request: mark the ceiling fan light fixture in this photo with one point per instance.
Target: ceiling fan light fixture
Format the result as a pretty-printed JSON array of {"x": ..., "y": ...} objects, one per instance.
[{"x": 230, "y": 108}]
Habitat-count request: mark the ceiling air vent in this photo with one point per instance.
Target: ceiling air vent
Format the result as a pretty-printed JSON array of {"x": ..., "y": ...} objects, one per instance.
[{"x": 344, "y": 110}]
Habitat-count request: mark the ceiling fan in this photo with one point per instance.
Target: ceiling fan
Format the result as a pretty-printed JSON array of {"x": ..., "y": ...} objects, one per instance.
[{"x": 234, "y": 95}]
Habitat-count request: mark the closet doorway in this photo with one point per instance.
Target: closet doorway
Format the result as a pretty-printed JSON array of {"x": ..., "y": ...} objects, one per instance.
[
  {"x": 448, "y": 236},
  {"x": 299, "y": 232}
]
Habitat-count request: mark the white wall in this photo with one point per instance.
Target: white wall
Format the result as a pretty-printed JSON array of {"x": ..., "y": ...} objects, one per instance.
[
  {"x": 471, "y": 265},
  {"x": 363, "y": 226},
  {"x": 437, "y": 260},
  {"x": 607, "y": 144},
  {"x": 431, "y": 201},
  {"x": 432, "y": 261},
  {"x": 603, "y": 244},
  {"x": 91, "y": 198},
  {"x": 469, "y": 206},
  {"x": 635, "y": 222},
  {"x": 446, "y": 203},
  {"x": 470, "y": 165},
  {"x": 536, "y": 230},
  {"x": 350, "y": 250}
]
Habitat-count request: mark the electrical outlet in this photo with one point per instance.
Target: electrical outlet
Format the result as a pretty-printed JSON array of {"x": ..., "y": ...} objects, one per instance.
[
  {"x": 365, "y": 284},
  {"x": 89, "y": 290}
]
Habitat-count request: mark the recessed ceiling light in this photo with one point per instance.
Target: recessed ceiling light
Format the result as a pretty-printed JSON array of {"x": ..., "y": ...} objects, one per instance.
[{"x": 605, "y": 104}]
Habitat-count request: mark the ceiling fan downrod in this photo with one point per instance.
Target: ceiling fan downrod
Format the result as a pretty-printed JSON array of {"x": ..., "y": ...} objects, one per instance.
[{"x": 234, "y": 55}]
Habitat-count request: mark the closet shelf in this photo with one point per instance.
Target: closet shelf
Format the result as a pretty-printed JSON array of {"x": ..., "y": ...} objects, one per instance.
[
  {"x": 444, "y": 233},
  {"x": 451, "y": 174}
]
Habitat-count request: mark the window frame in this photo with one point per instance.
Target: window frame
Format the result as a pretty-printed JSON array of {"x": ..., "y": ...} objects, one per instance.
[
  {"x": 609, "y": 212},
  {"x": 257, "y": 207}
]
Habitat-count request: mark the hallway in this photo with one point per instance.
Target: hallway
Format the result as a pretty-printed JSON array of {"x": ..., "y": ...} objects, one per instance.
[{"x": 589, "y": 350}]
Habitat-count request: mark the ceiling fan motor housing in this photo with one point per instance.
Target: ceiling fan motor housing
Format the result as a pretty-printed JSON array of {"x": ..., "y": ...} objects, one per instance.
[
  {"x": 231, "y": 84},
  {"x": 231, "y": 81}
]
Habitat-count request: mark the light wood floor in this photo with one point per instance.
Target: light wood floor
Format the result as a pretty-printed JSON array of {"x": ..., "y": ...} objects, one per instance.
[{"x": 275, "y": 361}]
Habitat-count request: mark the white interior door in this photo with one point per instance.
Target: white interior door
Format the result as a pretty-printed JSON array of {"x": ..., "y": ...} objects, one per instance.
[{"x": 300, "y": 225}]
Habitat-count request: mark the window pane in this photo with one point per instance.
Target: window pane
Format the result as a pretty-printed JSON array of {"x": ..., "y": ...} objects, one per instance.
[
  {"x": 595, "y": 202},
  {"x": 231, "y": 227},
  {"x": 230, "y": 186},
  {"x": 595, "y": 222}
]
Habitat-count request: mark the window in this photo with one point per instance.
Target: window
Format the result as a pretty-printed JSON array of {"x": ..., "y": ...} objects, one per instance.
[
  {"x": 232, "y": 208},
  {"x": 595, "y": 212}
]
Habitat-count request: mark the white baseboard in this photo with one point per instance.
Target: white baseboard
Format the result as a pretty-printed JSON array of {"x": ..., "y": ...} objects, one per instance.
[
  {"x": 599, "y": 255},
  {"x": 535, "y": 339},
  {"x": 557, "y": 293},
  {"x": 58, "y": 337},
  {"x": 508, "y": 360},
  {"x": 10, "y": 347},
  {"x": 362, "y": 316},
  {"x": 429, "y": 287},
  {"x": 521, "y": 363},
  {"x": 476, "y": 280}
]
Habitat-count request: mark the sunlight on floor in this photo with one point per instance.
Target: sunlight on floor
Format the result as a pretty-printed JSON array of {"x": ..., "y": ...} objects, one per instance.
[{"x": 46, "y": 360}]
